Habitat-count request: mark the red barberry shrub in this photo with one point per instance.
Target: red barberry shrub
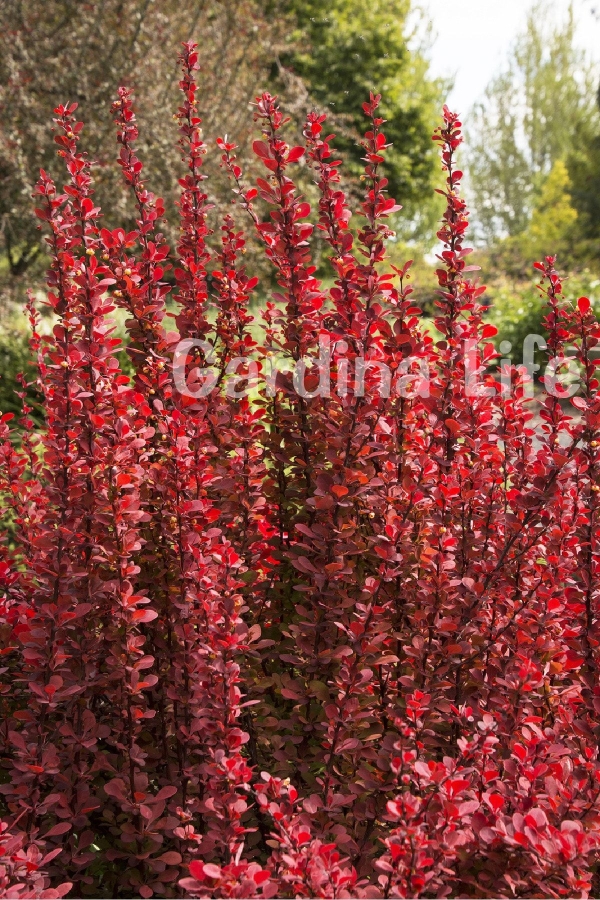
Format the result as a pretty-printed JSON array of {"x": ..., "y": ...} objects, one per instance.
[
  {"x": 332, "y": 636},
  {"x": 21, "y": 868}
]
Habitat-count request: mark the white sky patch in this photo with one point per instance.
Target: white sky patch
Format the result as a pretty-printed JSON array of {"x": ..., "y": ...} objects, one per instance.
[{"x": 472, "y": 39}]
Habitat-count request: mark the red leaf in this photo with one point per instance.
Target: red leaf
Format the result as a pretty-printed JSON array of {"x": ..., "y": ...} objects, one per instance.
[
  {"x": 61, "y": 828},
  {"x": 144, "y": 615},
  {"x": 295, "y": 154},
  {"x": 262, "y": 150},
  {"x": 489, "y": 331},
  {"x": 211, "y": 871}
]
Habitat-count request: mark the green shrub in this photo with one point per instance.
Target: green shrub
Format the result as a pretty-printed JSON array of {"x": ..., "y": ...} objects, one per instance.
[
  {"x": 15, "y": 358},
  {"x": 517, "y": 309}
]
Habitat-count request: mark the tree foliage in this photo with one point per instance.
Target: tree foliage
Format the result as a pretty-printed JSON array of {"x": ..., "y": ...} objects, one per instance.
[
  {"x": 53, "y": 49},
  {"x": 584, "y": 170},
  {"x": 351, "y": 48},
  {"x": 528, "y": 121},
  {"x": 553, "y": 222},
  {"x": 65, "y": 48}
]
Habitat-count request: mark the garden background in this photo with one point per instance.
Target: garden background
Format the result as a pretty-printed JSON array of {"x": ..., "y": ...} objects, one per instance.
[{"x": 532, "y": 155}]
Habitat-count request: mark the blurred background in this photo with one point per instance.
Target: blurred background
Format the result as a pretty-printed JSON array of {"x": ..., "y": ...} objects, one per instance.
[{"x": 525, "y": 77}]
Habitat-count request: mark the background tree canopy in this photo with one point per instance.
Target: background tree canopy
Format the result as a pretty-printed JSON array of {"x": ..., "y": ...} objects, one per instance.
[
  {"x": 533, "y": 161},
  {"x": 534, "y": 145},
  {"x": 54, "y": 51},
  {"x": 347, "y": 48},
  {"x": 57, "y": 50},
  {"x": 533, "y": 148}
]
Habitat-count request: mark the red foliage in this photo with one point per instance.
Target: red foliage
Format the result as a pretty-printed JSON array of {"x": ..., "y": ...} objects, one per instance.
[
  {"x": 21, "y": 868},
  {"x": 301, "y": 643}
]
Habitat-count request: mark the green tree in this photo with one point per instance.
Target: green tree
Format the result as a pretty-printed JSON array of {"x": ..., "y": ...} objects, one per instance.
[
  {"x": 527, "y": 121},
  {"x": 349, "y": 48},
  {"x": 584, "y": 169},
  {"x": 54, "y": 50},
  {"x": 551, "y": 228}
]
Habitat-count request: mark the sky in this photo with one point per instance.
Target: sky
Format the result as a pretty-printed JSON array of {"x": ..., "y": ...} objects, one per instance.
[{"x": 483, "y": 31}]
